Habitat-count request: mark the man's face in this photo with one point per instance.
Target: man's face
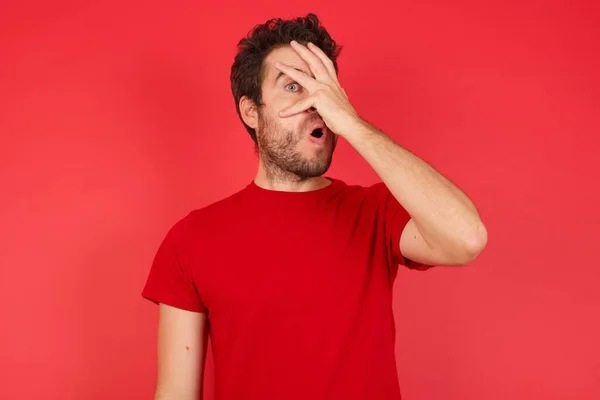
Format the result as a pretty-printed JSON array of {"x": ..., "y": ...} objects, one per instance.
[{"x": 291, "y": 144}]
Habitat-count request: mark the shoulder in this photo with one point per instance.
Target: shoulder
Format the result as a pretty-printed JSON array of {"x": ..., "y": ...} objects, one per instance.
[
  {"x": 372, "y": 201},
  {"x": 372, "y": 194},
  {"x": 205, "y": 218},
  {"x": 218, "y": 210}
]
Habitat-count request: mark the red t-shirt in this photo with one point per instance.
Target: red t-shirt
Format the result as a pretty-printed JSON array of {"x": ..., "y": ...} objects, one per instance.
[{"x": 297, "y": 288}]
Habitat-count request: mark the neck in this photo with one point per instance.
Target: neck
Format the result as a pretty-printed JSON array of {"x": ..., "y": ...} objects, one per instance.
[{"x": 273, "y": 178}]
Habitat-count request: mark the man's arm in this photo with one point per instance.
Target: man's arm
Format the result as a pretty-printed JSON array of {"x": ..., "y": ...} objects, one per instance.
[
  {"x": 182, "y": 342},
  {"x": 445, "y": 227}
]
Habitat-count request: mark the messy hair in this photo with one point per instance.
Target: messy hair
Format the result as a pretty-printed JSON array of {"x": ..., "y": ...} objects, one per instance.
[{"x": 247, "y": 71}]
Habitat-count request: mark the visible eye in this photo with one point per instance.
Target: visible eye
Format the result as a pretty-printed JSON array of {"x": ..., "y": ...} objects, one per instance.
[{"x": 293, "y": 87}]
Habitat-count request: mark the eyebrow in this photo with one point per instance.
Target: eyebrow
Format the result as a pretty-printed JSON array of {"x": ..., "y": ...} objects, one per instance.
[{"x": 280, "y": 74}]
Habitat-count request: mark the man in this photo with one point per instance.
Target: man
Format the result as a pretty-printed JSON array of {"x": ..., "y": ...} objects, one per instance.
[{"x": 292, "y": 276}]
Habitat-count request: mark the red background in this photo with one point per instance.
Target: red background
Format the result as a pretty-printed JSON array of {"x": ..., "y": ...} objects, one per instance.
[{"x": 116, "y": 120}]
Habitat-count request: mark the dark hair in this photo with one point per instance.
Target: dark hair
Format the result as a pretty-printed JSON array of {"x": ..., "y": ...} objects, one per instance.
[{"x": 247, "y": 72}]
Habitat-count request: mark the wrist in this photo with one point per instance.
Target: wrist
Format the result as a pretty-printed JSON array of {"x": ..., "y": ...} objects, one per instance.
[
  {"x": 354, "y": 127},
  {"x": 358, "y": 129}
]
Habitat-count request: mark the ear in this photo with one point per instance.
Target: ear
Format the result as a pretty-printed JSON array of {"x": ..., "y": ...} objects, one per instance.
[{"x": 249, "y": 112}]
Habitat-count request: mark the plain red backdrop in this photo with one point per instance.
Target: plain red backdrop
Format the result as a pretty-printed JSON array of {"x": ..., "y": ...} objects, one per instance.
[{"x": 116, "y": 119}]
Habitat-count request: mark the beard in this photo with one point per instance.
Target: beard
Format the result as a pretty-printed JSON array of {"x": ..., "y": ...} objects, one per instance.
[{"x": 278, "y": 150}]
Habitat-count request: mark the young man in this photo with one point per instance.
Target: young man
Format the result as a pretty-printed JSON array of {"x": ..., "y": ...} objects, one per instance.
[{"x": 294, "y": 273}]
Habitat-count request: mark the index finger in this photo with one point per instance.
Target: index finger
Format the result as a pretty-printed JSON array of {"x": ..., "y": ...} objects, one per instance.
[
  {"x": 325, "y": 60},
  {"x": 318, "y": 68},
  {"x": 303, "y": 79}
]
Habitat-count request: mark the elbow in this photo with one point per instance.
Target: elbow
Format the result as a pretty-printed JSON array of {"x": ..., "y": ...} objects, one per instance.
[
  {"x": 474, "y": 243},
  {"x": 467, "y": 247}
]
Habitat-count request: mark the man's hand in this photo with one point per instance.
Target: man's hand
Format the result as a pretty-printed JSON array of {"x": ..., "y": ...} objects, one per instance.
[
  {"x": 445, "y": 227},
  {"x": 325, "y": 93}
]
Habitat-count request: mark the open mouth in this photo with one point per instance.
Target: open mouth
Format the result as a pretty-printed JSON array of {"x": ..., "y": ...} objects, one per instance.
[{"x": 317, "y": 133}]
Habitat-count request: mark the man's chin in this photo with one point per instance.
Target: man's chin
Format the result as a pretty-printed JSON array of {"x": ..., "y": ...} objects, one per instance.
[{"x": 319, "y": 168}]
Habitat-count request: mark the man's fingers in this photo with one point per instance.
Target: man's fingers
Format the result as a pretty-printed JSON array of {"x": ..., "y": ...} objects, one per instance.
[
  {"x": 299, "y": 107},
  {"x": 325, "y": 60},
  {"x": 315, "y": 63},
  {"x": 298, "y": 76}
]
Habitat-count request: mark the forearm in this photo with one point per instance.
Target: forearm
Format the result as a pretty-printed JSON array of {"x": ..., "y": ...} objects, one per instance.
[
  {"x": 163, "y": 393},
  {"x": 443, "y": 213}
]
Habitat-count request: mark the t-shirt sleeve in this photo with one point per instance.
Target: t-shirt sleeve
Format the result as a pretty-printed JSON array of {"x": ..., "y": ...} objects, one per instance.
[
  {"x": 170, "y": 279},
  {"x": 395, "y": 217}
]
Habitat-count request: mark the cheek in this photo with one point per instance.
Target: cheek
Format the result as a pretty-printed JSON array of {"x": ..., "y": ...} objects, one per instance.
[
  {"x": 286, "y": 100},
  {"x": 289, "y": 124},
  {"x": 292, "y": 123}
]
